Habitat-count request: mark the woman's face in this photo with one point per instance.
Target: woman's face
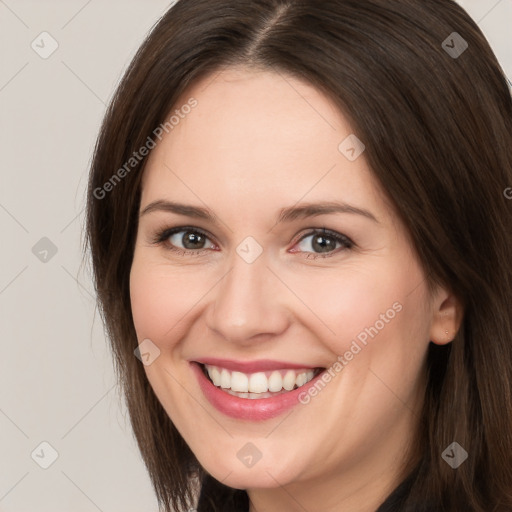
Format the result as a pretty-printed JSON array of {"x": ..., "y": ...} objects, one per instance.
[{"x": 263, "y": 296}]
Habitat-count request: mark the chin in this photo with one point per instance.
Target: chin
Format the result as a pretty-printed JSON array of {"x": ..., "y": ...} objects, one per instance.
[{"x": 261, "y": 475}]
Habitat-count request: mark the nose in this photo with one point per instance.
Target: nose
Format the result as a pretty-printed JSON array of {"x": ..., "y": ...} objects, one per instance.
[{"x": 248, "y": 303}]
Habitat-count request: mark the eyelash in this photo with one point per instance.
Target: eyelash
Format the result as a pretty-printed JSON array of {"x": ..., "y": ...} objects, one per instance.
[{"x": 161, "y": 237}]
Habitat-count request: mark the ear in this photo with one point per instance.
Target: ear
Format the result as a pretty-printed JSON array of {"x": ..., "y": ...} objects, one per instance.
[{"x": 447, "y": 314}]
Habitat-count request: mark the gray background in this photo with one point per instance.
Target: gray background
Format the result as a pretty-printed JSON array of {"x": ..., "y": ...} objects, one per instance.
[{"x": 57, "y": 382}]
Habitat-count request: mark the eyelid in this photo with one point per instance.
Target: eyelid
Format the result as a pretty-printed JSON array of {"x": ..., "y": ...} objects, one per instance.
[
  {"x": 162, "y": 235},
  {"x": 344, "y": 240},
  {"x": 324, "y": 231}
]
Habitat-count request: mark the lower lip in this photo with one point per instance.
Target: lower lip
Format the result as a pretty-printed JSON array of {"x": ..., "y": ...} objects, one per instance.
[{"x": 256, "y": 409}]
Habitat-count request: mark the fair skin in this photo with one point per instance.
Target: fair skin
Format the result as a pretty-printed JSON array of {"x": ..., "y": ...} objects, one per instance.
[{"x": 258, "y": 142}]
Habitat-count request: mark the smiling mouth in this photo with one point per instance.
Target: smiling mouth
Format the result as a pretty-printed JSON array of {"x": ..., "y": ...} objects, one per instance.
[{"x": 260, "y": 384}]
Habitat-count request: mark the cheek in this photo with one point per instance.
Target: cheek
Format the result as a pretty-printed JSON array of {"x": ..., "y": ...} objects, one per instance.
[
  {"x": 373, "y": 317},
  {"x": 381, "y": 323},
  {"x": 159, "y": 301},
  {"x": 351, "y": 302}
]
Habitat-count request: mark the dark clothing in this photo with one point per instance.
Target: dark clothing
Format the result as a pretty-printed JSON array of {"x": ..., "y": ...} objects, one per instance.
[{"x": 395, "y": 501}]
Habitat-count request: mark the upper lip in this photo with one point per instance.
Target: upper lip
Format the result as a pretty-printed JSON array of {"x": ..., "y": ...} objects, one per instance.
[{"x": 258, "y": 365}]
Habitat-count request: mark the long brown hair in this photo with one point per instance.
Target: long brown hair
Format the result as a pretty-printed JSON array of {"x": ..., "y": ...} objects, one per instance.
[{"x": 437, "y": 129}]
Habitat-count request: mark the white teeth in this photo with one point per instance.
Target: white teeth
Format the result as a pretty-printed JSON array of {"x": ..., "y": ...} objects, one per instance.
[
  {"x": 225, "y": 378},
  {"x": 301, "y": 379},
  {"x": 289, "y": 380},
  {"x": 239, "y": 382},
  {"x": 275, "y": 382},
  {"x": 215, "y": 376},
  {"x": 259, "y": 382}
]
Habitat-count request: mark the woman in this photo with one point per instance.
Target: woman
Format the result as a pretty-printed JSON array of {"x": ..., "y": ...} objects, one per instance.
[{"x": 298, "y": 225}]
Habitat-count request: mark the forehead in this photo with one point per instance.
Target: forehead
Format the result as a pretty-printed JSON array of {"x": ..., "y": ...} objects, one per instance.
[{"x": 256, "y": 136}]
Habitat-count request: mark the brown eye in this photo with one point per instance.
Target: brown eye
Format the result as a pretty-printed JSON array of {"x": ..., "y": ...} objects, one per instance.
[
  {"x": 323, "y": 241},
  {"x": 190, "y": 240},
  {"x": 183, "y": 239}
]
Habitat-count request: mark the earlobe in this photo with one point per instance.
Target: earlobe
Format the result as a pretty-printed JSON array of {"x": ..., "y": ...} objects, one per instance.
[{"x": 447, "y": 313}]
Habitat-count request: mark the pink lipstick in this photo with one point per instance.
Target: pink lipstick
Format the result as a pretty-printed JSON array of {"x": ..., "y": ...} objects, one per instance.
[{"x": 253, "y": 409}]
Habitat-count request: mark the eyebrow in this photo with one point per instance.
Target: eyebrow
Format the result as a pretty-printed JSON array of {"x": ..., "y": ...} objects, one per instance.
[{"x": 288, "y": 214}]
